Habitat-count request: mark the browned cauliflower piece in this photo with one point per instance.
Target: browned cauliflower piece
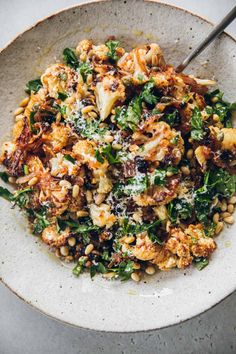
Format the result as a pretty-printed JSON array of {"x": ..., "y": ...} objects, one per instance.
[
  {"x": 108, "y": 92},
  {"x": 58, "y": 137},
  {"x": 52, "y": 237}
]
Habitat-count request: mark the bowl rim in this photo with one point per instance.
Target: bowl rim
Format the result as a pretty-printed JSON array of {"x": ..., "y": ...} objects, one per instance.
[{"x": 14, "y": 292}]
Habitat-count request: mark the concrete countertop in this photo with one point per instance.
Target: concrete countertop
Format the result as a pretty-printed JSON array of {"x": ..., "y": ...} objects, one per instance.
[{"x": 24, "y": 330}]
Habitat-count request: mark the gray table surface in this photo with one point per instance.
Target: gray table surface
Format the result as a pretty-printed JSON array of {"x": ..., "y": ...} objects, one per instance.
[{"x": 24, "y": 330}]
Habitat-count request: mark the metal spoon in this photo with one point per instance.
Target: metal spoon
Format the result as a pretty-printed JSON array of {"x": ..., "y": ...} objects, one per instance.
[{"x": 217, "y": 30}]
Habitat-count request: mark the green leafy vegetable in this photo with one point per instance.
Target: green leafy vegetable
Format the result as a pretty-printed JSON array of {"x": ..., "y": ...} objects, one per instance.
[
  {"x": 62, "y": 96},
  {"x": 172, "y": 118},
  {"x": 136, "y": 185},
  {"x": 40, "y": 222},
  {"x": 70, "y": 58},
  {"x": 112, "y": 46},
  {"x": 33, "y": 86},
  {"x": 201, "y": 262},
  {"x": 85, "y": 69},
  {"x": 26, "y": 169},
  {"x": 129, "y": 117},
  {"x": 6, "y": 194},
  {"x": 111, "y": 155},
  {"x": 99, "y": 156},
  {"x": 97, "y": 268},
  {"x": 87, "y": 129},
  {"x": 197, "y": 132},
  {"x": 159, "y": 177},
  {"x": 32, "y": 122},
  {"x": 69, "y": 158},
  {"x": 124, "y": 270},
  {"x": 4, "y": 176},
  {"x": 20, "y": 197},
  {"x": 80, "y": 266},
  {"x": 216, "y": 105},
  {"x": 179, "y": 209},
  {"x": 147, "y": 94}
]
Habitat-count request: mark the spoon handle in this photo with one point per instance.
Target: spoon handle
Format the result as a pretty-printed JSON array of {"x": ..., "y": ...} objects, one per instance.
[{"x": 217, "y": 30}]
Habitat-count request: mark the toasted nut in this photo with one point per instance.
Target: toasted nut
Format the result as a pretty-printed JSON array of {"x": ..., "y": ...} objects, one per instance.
[
  {"x": 82, "y": 213},
  {"x": 135, "y": 277},
  {"x": 88, "y": 109},
  {"x": 133, "y": 147},
  {"x": 216, "y": 217},
  {"x": 229, "y": 220},
  {"x": 89, "y": 249},
  {"x": 19, "y": 117},
  {"x": 225, "y": 214},
  {"x": 189, "y": 154},
  {"x": 99, "y": 198},
  {"x": 185, "y": 170},
  {"x": 216, "y": 118},
  {"x": 109, "y": 275},
  {"x": 150, "y": 270},
  {"x": 75, "y": 191},
  {"x": 65, "y": 183},
  {"x": 117, "y": 146},
  {"x": 58, "y": 117},
  {"x": 136, "y": 265},
  {"x": 19, "y": 110},
  {"x": 129, "y": 239},
  {"x": 33, "y": 181},
  {"x": 215, "y": 201},
  {"x": 12, "y": 180},
  {"x": 92, "y": 114},
  {"x": 108, "y": 138},
  {"x": 57, "y": 253},
  {"x": 168, "y": 223},
  {"x": 232, "y": 200},
  {"x": 64, "y": 251},
  {"x": 169, "y": 174},
  {"x": 88, "y": 264},
  {"x": 214, "y": 99},
  {"x": 219, "y": 227},
  {"x": 71, "y": 241},
  {"x": 89, "y": 79},
  {"x": 223, "y": 206},
  {"x": 230, "y": 208},
  {"x": 24, "y": 102},
  {"x": 89, "y": 196}
]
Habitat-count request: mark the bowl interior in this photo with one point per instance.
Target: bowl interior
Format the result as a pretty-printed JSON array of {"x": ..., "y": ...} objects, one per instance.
[{"x": 25, "y": 264}]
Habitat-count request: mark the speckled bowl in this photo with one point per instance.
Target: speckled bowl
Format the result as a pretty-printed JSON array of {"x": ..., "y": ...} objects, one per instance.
[{"x": 25, "y": 265}]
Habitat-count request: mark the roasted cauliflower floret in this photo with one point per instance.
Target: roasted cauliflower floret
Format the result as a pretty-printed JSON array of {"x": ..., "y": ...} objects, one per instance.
[
  {"x": 61, "y": 166},
  {"x": 108, "y": 92},
  {"x": 137, "y": 63},
  {"x": 159, "y": 142},
  {"x": 59, "y": 78},
  {"x": 58, "y": 137},
  {"x": 52, "y": 237},
  {"x": 101, "y": 215},
  {"x": 229, "y": 140}
]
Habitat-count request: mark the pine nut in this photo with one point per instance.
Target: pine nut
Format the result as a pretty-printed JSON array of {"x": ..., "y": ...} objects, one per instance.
[
  {"x": 229, "y": 220},
  {"x": 225, "y": 214},
  {"x": 189, "y": 154},
  {"x": 99, "y": 198},
  {"x": 219, "y": 227},
  {"x": 169, "y": 174},
  {"x": 89, "y": 249},
  {"x": 57, "y": 253},
  {"x": 58, "y": 117},
  {"x": 150, "y": 270},
  {"x": 89, "y": 196},
  {"x": 75, "y": 191},
  {"x": 136, "y": 265},
  {"x": 168, "y": 223},
  {"x": 129, "y": 239},
  {"x": 24, "y": 102},
  {"x": 215, "y": 118},
  {"x": 135, "y": 277},
  {"x": 117, "y": 146},
  {"x": 64, "y": 251},
  {"x": 92, "y": 114},
  {"x": 65, "y": 183},
  {"x": 214, "y": 99},
  {"x": 19, "y": 117},
  {"x": 216, "y": 218},
  {"x": 109, "y": 275},
  {"x": 19, "y": 110},
  {"x": 230, "y": 208},
  {"x": 89, "y": 79},
  {"x": 82, "y": 213},
  {"x": 185, "y": 170},
  {"x": 87, "y": 109},
  {"x": 232, "y": 200},
  {"x": 223, "y": 206},
  {"x": 12, "y": 180},
  {"x": 71, "y": 241},
  {"x": 33, "y": 181},
  {"x": 108, "y": 138}
]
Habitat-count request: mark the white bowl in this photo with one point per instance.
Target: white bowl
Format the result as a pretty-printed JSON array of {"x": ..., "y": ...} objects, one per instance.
[{"x": 26, "y": 267}]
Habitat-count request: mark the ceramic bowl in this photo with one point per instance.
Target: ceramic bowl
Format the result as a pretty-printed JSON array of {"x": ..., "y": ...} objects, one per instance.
[{"x": 26, "y": 267}]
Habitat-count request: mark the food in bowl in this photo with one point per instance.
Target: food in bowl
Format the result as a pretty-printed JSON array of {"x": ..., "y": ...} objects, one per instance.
[{"x": 121, "y": 164}]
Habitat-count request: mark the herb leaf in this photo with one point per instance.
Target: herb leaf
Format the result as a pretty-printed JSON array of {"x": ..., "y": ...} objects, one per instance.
[
  {"x": 85, "y": 69},
  {"x": 201, "y": 262},
  {"x": 70, "y": 58},
  {"x": 4, "y": 176},
  {"x": 112, "y": 46},
  {"x": 147, "y": 94},
  {"x": 129, "y": 117},
  {"x": 197, "y": 132},
  {"x": 179, "y": 209},
  {"x": 33, "y": 86},
  {"x": 62, "y": 96}
]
